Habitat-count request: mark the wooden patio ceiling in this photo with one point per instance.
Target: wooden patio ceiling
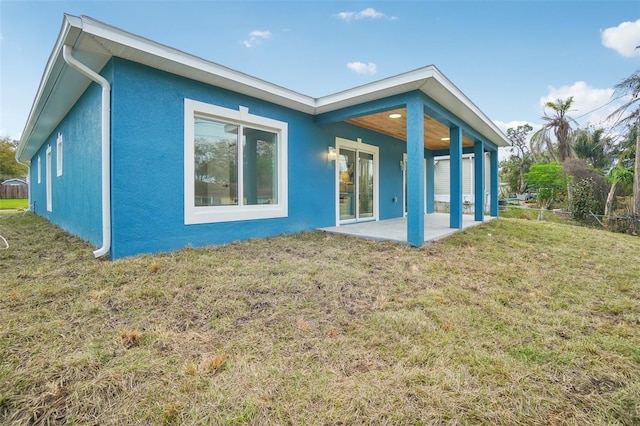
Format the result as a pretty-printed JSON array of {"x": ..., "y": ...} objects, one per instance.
[{"x": 434, "y": 131}]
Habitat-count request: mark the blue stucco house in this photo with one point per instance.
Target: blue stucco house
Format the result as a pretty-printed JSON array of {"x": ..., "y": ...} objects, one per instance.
[{"x": 140, "y": 148}]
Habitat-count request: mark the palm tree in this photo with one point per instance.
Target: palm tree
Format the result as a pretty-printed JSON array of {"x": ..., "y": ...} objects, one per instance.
[
  {"x": 617, "y": 175},
  {"x": 558, "y": 124},
  {"x": 593, "y": 146},
  {"x": 629, "y": 88}
]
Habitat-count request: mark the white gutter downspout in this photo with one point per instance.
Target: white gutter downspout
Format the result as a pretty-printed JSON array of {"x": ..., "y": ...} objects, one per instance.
[{"x": 106, "y": 146}]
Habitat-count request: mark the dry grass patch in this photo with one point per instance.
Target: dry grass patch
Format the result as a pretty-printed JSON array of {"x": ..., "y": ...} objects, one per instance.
[{"x": 512, "y": 322}]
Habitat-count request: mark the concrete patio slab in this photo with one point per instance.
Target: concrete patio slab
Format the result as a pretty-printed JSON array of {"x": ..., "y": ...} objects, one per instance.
[{"x": 436, "y": 226}]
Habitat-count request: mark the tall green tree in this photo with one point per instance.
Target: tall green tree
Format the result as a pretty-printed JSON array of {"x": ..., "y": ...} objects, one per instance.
[
  {"x": 9, "y": 167},
  {"x": 595, "y": 147},
  {"x": 559, "y": 125},
  {"x": 549, "y": 181},
  {"x": 629, "y": 114},
  {"x": 522, "y": 155}
]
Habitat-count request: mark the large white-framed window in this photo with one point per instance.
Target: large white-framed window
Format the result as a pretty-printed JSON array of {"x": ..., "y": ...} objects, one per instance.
[
  {"x": 47, "y": 176},
  {"x": 59, "y": 155},
  {"x": 235, "y": 165}
]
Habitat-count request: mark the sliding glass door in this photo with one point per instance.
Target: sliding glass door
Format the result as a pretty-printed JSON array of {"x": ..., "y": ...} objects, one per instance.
[{"x": 356, "y": 182}]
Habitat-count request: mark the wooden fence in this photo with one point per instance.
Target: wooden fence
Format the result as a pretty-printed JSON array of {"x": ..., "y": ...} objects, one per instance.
[{"x": 14, "y": 191}]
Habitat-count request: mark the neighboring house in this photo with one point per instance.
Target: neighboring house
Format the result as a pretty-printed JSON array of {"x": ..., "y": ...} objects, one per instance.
[
  {"x": 137, "y": 147},
  {"x": 442, "y": 183},
  {"x": 14, "y": 182},
  {"x": 14, "y": 188}
]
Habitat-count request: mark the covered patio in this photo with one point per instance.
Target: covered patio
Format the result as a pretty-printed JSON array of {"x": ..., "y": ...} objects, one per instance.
[
  {"x": 436, "y": 226},
  {"x": 433, "y": 118}
]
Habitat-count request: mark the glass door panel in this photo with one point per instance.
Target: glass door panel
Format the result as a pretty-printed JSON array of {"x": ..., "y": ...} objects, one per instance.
[
  {"x": 346, "y": 178},
  {"x": 365, "y": 185}
]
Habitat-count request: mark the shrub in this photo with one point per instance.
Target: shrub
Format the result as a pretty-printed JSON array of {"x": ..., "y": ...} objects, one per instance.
[{"x": 585, "y": 199}]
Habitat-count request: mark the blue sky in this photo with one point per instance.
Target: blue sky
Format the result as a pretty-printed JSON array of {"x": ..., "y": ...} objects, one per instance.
[{"x": 508, "y": 57}]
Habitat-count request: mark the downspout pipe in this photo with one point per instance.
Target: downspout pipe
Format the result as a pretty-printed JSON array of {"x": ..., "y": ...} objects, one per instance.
[{"x": 106, "y": 145}]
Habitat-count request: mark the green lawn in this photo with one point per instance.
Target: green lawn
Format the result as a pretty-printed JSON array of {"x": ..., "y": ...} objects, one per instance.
[
  {"x": 14, "y": 203},
  {"x": 531, "y": 213},
  {"x": 513, "y": 322}
]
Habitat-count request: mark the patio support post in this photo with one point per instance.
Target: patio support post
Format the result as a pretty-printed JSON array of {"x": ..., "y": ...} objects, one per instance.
[
  {"x": 415, "y": 173},
  {"x": 478, "y": 168},
  {"x": 431, "y": 194},
  {"x": 493, "y": 200},
  {"x": 455, "y": 180}
]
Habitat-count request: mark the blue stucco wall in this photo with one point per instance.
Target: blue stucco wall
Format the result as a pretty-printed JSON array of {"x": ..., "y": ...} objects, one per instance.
[
  {"x": 76, "y": 199},
  {"x": 148, "y": 165}
]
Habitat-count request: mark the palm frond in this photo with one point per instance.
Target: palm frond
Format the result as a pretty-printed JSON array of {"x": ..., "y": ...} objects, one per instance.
[{"x": 628, "y": 88}]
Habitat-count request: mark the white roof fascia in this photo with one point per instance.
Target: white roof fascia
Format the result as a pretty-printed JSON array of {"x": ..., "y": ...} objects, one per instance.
[
  {"x": 412, "y": 80},
  {"x": 453, "y": 89},
  {"x": 99, "y": 29},
  {"x": 396, "y": 84},
  {"x": 231, "y": 79}
]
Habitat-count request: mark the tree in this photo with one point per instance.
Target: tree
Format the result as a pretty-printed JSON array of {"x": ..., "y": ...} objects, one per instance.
[
  {"x": 522, "y": 157},
  {"x": 9, "y": 167},
  {"x": 510, "y": 174},
  {"x": 616, "y": 176},
  {"x": 629, "y": 114},
  {"x": 549, "y": 181},
  {"x": 593, "y": 146},
  {"x": 558, "y": 124},
  {"x": 626, "y": 148}
]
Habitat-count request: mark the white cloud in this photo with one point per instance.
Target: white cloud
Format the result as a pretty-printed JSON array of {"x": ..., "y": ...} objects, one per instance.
[
  {"x": 368, "y": 13},
  {"x": 623, "y": 39},
  {"x": 361, "y": 68},
  {"x": 590, "y": 105},
  {"x": 256, "y": 37}
]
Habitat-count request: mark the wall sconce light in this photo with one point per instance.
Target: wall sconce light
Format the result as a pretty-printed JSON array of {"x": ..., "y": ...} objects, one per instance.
[
  {"x": 332, "y": 154},
  {"x": 403, "y": 165}
]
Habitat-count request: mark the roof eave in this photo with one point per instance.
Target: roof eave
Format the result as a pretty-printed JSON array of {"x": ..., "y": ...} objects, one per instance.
[
  {"x": 491, "y": 131},
  {"x": 255, "y": 86},
  {"x": 420, "y": 79},
  {"x": 181, "y": 63},
  {"x": 69, "y": 33}
]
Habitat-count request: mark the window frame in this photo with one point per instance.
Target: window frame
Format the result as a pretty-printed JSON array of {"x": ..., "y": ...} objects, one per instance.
[
  {"x": 59, "y": 149},
  {"x": 214, "y": 214},
  {"x": 39, "y": 169},
  {"x": 49, "y": 183}
]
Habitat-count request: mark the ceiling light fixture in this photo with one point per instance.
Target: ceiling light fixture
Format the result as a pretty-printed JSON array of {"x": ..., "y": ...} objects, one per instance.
[
  {"x": 444, "y": 139},
  {"x": 395, "y": 115}
]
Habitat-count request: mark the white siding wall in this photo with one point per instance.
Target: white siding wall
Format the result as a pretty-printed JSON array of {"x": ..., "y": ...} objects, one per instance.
[{"x": 441, "y": 182}]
